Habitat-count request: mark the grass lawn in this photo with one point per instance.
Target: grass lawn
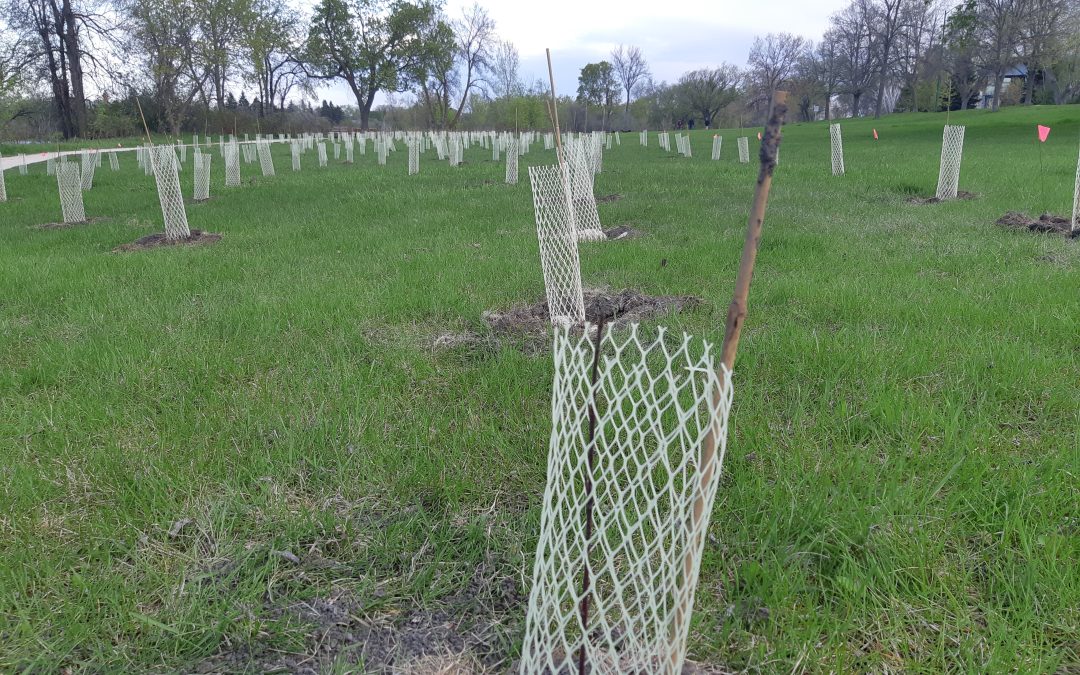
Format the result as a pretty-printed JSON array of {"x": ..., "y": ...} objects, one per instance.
[{"x": 250, "y": 455}]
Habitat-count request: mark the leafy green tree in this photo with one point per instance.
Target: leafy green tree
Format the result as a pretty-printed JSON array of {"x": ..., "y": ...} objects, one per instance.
[
  {"x": 598, "y": 86},
  {"x": 709, "y": 90},
  {"x": 372, "y": 45}
]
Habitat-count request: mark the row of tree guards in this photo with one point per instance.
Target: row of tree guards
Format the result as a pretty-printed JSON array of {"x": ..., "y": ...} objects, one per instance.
[{"x": 639, "y": 421}]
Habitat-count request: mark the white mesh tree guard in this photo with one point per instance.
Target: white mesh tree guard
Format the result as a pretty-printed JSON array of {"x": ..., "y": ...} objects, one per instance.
[
  {"x": 337, "y": 152},
  {"x": 511, "y": 163},
  {"x": 3, "y": 182},
  {"x": 266, "y": 161},
  {"x": 837, "y": 145},
  {"x": 349, "y": 151},
  {"x": 22, "y": 165},
  {"x": 643, "y": 138},
  {"x": 322, "y": 155},
  {"x": 744, "y": 150},
  {"x": 89, "y": 166},
  {"x": 202, "y": 176},
  {"x": 114, "y": 161},
  {"x": 183, "y": 153},
  {"x": 169, "y": 193},
  {"x": 1076, "y": 200},
  {"x": 362, "y": 145},
  {"x": 557, "y": 232},
  {"x": 495, "y": 150},
  {"x": 50, "y": 166},
  {"x": 294, "y": 153},
  {"x": 581, "y": 191},
  {"x": 380, "y": 149},
  {"x": 69, "y": 182},
  {"x": 618, "y": 139},
  {"x": 414, "y": 157},
  {"x": 717, "y": 143},
  {"x": 627, "y": 503},
  {"x": 952, "y": 150},
  {"x": 231, "y": 153}
]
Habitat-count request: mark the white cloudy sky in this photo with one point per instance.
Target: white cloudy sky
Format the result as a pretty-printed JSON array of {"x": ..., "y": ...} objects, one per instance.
[{"x": 674, "y": 38}]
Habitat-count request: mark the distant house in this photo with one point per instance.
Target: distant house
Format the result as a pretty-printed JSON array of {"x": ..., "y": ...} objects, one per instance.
[{"x": 1018, "y": 72}]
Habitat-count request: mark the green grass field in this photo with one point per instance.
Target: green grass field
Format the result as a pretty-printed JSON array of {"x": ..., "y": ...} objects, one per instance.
[{"x": 902, "y": 481}]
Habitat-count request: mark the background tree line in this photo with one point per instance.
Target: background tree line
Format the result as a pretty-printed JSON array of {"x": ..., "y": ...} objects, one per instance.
[{"x": 83, "y": 68}]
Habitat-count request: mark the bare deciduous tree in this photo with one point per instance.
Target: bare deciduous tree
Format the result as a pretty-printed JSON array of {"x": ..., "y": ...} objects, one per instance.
[
  {"x": 505, "y": 76},
  {"x": 630, "y": 68},
  {"x": 772, "y": 62}
]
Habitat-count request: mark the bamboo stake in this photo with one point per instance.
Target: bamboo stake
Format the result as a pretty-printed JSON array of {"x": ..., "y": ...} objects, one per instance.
[
  {"x": 735, "y": 317},
  {"x": 554, "y": 108}
]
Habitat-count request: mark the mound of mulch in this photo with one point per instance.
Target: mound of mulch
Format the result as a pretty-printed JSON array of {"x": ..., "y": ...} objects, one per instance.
[
  {"x": 1045, "y": 223},
  {"x": 608, "y": 199},
  {"x": 157, "y": 239},
  {"x": 531, "y": 324},
  {"x": 623, "y": 232},
  {"x": 68, "y": 226},
  {"x": 960, "y": 195}
]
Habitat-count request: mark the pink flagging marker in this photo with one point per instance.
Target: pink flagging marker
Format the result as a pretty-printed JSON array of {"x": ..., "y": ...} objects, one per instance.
[
  {"x": 1044, "y": 133},
  {"x": 875, "y": 134}
]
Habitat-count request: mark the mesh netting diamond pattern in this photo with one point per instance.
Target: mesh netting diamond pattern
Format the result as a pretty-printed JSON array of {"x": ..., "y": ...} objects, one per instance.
[
  {"x": 511, "y": 162},
  {"x": 581, "y": 191},
  {"x": 624, "y": 515},
  {"x": 717, "y": 143},
  {"x": 202, "y": 176},
  {"x": 114, "y": 162},
  {"x": 837, "y": 147},
  {"x": 231, "y": 153},
  {"x": 266, "y": 161},
  {"x": 69, "y": 182},
  {"x": 952, "y": 150},
  {"x": 744, "y": 150},
  {"x": 414, "y": 157},
  {"x": 89, "y": 166},
  {"x": 169, "y": 193},
  {"x": 322, "y": 154},
  {"x": 557, "y": 233}
]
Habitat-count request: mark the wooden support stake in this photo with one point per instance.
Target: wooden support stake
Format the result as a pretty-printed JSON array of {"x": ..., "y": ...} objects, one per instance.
[{"x": 735, "y": 317}]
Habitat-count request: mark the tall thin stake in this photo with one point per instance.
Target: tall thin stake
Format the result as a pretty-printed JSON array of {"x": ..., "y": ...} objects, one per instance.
[
  {"x": 737, "y": 314},
  {"x": 589, "y": 502},
  {"x": 554, "y": 108}
]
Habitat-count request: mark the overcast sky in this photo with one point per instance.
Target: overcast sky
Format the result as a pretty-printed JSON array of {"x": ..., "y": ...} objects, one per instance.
[{"x": 674, "y": 38}]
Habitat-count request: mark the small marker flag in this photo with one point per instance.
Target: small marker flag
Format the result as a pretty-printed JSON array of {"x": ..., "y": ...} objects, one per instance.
[
  {"x": 759, "y": 135},
  {"x": 875, "y": 134},
  {"x": 1044, "y": 133}
]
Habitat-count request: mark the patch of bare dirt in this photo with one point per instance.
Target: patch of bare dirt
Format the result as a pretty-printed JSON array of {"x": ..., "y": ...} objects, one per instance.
[
  {"x": 157, "y": 239},
  {"x": 68, "y": 226},
  {"x": 960, "y": 195},
  {"x": 532, "y": 323},
  {"x": 622, "y": 307},
  {"x": 607, "y": 199},
  {"x": 623, "y": 232},
  {"x": 469, "y": 632},
  {"x": 1045, "y": 223}
]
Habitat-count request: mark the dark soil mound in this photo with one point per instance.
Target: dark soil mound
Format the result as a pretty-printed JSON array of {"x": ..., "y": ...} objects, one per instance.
[
  {"x": 532, "y": 323},
  {"x": 623, "y": 232},
  {"x": 197, "y": 238},
  {"x": 608, "y": 199},
  {"x": 1045, "y": 223},
  {"x": 627, "y": 306}
]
